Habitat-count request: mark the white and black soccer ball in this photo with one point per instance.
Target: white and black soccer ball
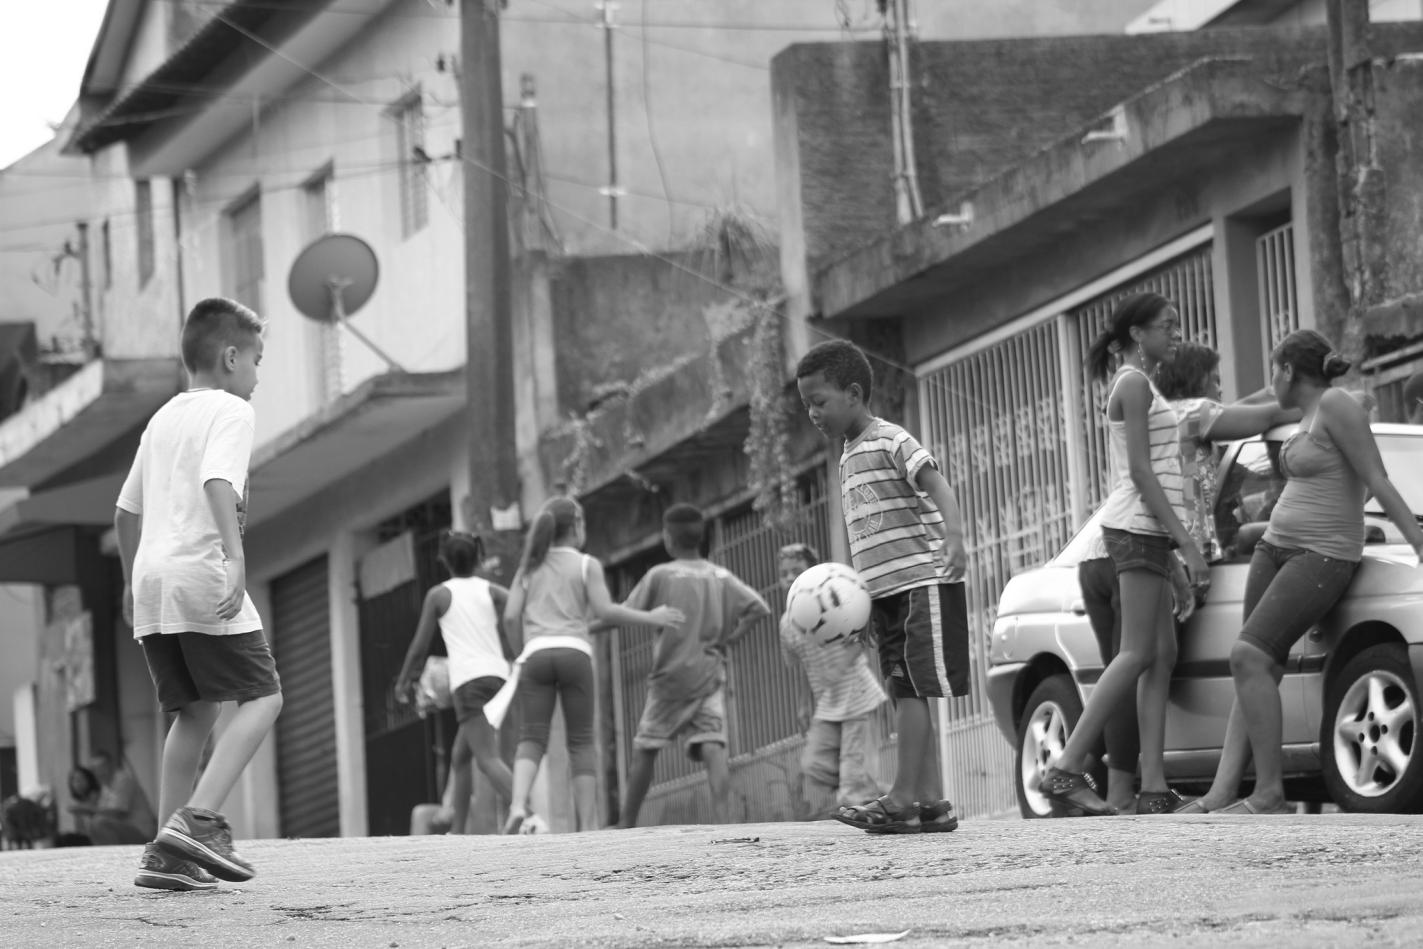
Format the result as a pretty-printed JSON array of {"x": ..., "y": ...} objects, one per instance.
[{"x": 828, "y": 602}]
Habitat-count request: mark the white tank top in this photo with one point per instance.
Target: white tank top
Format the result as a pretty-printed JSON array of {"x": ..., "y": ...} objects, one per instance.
[{"x": 471, "y": 631}]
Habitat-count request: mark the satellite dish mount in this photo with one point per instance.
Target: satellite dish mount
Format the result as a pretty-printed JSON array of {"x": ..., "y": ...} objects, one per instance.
[{"x": 333, "y": 278}]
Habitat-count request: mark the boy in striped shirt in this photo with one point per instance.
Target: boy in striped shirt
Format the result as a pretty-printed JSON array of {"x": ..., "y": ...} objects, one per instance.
[{"x": 906, "y": 541}]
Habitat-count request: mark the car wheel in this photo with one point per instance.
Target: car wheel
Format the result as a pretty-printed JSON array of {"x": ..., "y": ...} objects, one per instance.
[
  {"x": 1369, "y": 741},
  {"x": 1049, "y": 717}
]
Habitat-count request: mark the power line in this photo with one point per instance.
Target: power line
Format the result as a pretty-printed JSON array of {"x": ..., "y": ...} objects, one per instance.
[{"x": 639, "y": 246}]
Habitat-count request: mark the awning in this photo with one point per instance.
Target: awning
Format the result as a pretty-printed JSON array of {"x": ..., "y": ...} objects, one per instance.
[
  {"x": 88, "y": 503},
  {"x": 348, "y": 434},
  {"x": 82, "y": 416}
]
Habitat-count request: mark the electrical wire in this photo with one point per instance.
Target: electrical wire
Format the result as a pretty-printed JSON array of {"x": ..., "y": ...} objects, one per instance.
[
  {"x": 651, "y": 131},
  {"x": 646, "y": 251}
]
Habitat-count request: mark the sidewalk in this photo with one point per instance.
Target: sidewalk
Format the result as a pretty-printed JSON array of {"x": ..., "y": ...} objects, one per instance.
[{"x": 1170, "y": 881}]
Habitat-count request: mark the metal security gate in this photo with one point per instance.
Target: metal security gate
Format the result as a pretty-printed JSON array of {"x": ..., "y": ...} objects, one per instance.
[
  {"x": 306, "y": 747},
  {"x": 406, "y": 756},
  {"x": 1023, "y": 442},
  {"x": 1279, "y": 305},
  {"x": 762, "y": 690}
]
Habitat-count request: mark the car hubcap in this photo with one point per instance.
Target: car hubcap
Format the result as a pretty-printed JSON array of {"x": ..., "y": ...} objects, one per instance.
[
  {"x": 1373, "y": 733},
  {"x": 1042, "y": 744}
]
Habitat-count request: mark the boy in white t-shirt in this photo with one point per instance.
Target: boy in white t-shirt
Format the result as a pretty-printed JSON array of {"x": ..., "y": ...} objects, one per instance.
[{"x": 179, "y": 525}]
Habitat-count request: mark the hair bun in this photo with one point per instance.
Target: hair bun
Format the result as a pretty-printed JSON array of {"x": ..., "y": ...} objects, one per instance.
[{"x": 1334, "y": 365}]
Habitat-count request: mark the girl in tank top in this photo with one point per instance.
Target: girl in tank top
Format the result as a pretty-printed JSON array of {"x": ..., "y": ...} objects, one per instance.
[
  {"x": 1304, "y": 562},
  {"x": 1143, "y": 519},
  {"x": 555, "y": 594},
  {"x": 467, "y": 610}
]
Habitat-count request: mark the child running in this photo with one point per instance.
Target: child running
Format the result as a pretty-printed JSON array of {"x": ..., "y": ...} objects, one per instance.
[
  {"x": 686, "y": 688},
  {"x": 467, "y": 610},
  {"x": 555, "y": 590},
  {"x": 844, "y": 691},
  {"x": 906, "y": 541},
  {"x": 179, "y": 524}
]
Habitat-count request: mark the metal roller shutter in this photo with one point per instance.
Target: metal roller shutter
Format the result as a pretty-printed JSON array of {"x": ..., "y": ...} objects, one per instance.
[{"x": 306, "y": 748}]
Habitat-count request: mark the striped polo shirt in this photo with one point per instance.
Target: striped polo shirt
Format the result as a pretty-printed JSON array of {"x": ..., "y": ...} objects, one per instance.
[
  {"x": 1124, "y": 508},
  {"x": 895, "y": 531}
]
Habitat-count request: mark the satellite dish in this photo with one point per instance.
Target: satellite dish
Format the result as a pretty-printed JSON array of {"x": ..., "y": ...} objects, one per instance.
[{"x": 333, "y": 277}]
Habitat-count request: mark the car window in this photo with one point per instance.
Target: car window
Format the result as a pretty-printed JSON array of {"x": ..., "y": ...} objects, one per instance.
[
  {"x": 1076, "y": 550},
  {"x": 1249, "y": 488}
]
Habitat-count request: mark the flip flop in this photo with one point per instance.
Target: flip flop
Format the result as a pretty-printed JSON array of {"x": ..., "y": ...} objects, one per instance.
[
  {"x": 1244, "y": 807},
  {"x": 1193, "y": 806}
]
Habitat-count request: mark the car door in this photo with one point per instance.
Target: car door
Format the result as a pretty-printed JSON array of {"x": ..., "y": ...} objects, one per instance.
[{"x": 1202, "y": 689}]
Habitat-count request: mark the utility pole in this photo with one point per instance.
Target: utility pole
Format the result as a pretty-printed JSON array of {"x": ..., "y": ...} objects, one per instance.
[{"x": 492, "y": 508}]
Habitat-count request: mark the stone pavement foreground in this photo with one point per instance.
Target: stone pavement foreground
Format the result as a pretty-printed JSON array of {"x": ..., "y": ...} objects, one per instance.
[{"x": 1126, "y": 881}]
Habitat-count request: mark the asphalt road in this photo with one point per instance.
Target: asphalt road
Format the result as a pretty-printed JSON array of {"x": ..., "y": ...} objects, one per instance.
[{"x": 1331, "y": 880}]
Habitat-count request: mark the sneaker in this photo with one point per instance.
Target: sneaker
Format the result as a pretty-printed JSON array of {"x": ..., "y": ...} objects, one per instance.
[
  {"x": 159, "y": 870},
  {"x": 205, "y": 839},
  {"x": 938, "y": 817}
]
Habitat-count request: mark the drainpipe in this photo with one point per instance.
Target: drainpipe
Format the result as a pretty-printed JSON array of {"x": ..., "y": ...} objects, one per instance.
[
  {"x": 86, "y": 290},
  {"x": 176, "y": 187},
  {"x": 909, "y": 205}
]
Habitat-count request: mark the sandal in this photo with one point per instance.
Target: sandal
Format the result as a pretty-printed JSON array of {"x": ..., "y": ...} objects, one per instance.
[
  {"x": 882, "y": 820},
  {"x": 854, "y": 814},
  {"x": 514, "y": 823},
  {"x": 1243, "y": 806},
  {"x": 1074, "y": 789},
  {"x": 1193, "y": 806},
  {"x": 938, "y": 818},
  {"x": 1159, "y": 802}
]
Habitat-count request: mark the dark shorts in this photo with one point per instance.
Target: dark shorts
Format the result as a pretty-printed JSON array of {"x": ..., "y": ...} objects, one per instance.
[
  {"x": 923, "y": 641},
  {"x": 1287, "y": 591},
  {"x": 198, "y": 667},
  {"x": 1139, "y": 551},
  {"x": 470, "y": 697}
]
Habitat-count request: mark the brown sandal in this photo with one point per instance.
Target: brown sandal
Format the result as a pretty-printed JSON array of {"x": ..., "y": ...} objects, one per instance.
[{"x": 1074, "y": 789}]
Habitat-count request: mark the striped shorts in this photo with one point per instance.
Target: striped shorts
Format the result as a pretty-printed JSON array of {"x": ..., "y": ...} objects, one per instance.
[{"x": 923, "y": 641}]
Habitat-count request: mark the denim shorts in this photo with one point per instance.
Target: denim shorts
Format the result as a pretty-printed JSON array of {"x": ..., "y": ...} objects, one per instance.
[
  {"x": 1287, "y": 591},
  {"x": 1131, "y": 551}
]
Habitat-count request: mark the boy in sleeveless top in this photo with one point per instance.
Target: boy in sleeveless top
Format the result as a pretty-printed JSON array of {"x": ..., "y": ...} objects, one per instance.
[
  {"x": 686, "y": 688},
  {"x": 179, "y": 524},
  {"x": 467, "y": 610}
]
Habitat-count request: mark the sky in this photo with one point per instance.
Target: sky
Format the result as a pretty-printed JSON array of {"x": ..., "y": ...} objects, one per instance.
[{"x": 44, "y": 46}]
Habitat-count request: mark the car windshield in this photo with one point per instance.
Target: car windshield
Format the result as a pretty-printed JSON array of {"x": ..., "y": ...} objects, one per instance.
[{"x": 1402, "y": 459}]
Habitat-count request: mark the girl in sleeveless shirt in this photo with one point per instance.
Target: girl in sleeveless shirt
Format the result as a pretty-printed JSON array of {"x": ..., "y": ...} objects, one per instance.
[
  {"x": 555, "y": 593},
  {"x": 1304, "y": 562},
  {"x": 1144, "y": 518},
  {"x": 466, "y": 609}
]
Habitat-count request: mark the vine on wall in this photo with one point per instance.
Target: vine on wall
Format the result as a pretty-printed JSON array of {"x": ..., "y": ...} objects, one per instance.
[{"x": 768, "y": 444}]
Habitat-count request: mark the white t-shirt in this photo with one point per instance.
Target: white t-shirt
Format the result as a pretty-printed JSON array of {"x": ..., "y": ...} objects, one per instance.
[
  {"x": 470, "y": 628},
  {"x": 179, "y": 575}
]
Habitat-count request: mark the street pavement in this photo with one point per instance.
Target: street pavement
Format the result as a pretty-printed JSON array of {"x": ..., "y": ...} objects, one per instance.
[{"x": 1308, "y": 880}]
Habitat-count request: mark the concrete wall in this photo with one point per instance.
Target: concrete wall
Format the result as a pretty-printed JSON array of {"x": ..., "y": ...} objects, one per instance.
[
  {"x": 981, "y": 107},
  {"x": 20, "y": 623},
  {"x": 1398, "y": 103}
]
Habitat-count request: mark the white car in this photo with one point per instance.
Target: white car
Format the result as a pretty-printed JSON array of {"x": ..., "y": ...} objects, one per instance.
[{"x": 1350, "y": 693}]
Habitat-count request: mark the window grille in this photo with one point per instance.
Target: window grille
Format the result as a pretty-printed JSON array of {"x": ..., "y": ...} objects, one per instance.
[
  {"x": 1279, "y": 307},
  {"x": 246, "y": 268}
]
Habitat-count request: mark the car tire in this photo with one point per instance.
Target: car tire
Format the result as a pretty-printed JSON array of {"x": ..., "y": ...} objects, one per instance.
[
  {"x": 1369, "y": 738},
  {"x": 1051, "y": 713}
]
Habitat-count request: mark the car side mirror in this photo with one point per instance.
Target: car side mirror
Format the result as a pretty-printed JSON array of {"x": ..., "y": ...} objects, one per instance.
[{"x": 1373, "y": 534}]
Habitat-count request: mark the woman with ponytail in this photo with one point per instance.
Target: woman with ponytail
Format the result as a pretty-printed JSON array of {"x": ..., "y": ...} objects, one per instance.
[
  {"x": 1143, "y": 519},
  {"x": 555, "y": 592},
  {"x": 466, "y": 609},
  {"x": 1304, "y": 562}
]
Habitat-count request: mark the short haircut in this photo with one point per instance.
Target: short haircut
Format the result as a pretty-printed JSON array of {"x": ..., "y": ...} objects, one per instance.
[
  {"x": 685, "y": 525},
  {"x": 1186, "y": 376},
  {"x": 213, "y": 325},
  {"x": 805, "y": 553},
  {"x": 842, "y": 363}
]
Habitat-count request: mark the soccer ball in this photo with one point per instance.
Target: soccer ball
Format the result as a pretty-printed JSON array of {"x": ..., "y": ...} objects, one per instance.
[{"x": 828, "y": 602}]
